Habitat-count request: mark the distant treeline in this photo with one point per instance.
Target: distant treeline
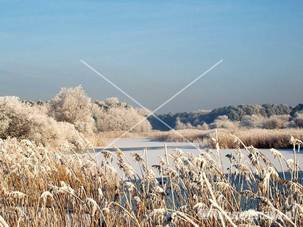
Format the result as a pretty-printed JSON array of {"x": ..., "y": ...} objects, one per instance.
[{"x": 234, "y": 113}]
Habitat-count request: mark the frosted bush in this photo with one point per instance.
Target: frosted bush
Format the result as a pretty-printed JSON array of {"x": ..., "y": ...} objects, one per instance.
[
  {"x": 51, "y": 133},
  {"x": 74, "y": 106},
  {"x": 276, "y": 122},
  {"x": 14, "y": 117},
  {"x": 298, "y": 119},
  {"x": 224, "y": 122},
  {"x": 258, "y": 121},
  {"x": 180, "y": 125},
  {"x": 112, "y": 115},
  {"x": 66, "y": 119},
  {"x": 4, "y": 124},
  {"x": 112, "y": 101},
  {"x": 26, "y": 121},
  {"x": 203, "y": 126}
]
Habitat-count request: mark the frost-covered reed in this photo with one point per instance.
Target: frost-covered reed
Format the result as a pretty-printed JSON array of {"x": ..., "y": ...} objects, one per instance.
[{"x": 43, "y": 188}]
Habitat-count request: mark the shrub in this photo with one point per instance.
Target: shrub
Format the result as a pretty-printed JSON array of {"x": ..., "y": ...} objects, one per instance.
[
  {"x": 258, "y": 121},
  {"x": 181, "y": 125},
  {"x": 252, "y": 121},
  {"x": 4, "y": 124},
  {"x": 224, "y": 122},
  {"x": 203, "y": 126},
  {"x": 275, "y": 122},
  {"x": 60, "y": 123},
  {"x": 112, "y": 115},
  {"x": 298, "y": 119},
  {"x": 25, "y": 121},
  {"x": 74, "y": 106},
  {"x": 15, "y": 120}
]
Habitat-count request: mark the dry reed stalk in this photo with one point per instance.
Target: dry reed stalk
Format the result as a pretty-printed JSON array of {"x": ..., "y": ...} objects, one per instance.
[
  {"x": 170, "y": 178},
  {"x": 75, "y": 189}
]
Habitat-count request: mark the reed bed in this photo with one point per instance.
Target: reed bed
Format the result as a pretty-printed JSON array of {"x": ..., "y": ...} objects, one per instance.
[
  {"x": 193, "y": 135},
  {"x": 259, "y": 138},
  {"x": 42, "y": 188}
]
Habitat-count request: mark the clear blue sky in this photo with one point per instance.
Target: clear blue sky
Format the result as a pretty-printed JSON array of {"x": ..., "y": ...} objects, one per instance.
[{"x": 153, "y": 48}]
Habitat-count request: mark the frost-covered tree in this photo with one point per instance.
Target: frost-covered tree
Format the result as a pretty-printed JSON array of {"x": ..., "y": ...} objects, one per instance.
[
  {"x": 298, "y": 119},
  {"x": 23, "y": 120},
  {"x": 74, "y": 106},
  {"x": 224, "y": 122},
  {"x": 258, "y": 121},
  {"x": 275, "y": 122},
  {"x": 113, "y": 115},
  {"x": 180, "y": 125}
]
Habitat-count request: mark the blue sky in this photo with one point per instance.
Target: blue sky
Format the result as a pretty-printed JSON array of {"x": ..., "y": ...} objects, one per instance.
[{"x": 153, "y": 48}]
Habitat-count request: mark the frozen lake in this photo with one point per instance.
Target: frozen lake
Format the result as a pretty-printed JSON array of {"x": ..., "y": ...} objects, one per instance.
[{"x": 155, "y": 150}]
